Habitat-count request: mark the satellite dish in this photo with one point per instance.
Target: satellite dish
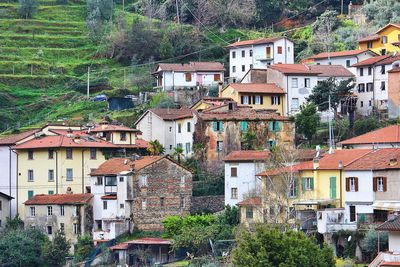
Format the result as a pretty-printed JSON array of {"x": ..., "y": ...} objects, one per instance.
[{"x": 349, "y": 239}]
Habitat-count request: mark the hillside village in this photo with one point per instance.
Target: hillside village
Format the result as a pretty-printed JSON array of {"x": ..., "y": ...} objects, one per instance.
[{"x": 211, "y": 165}]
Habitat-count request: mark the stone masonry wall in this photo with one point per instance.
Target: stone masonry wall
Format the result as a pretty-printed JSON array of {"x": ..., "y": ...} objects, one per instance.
[{"x": 207, "y": 204}]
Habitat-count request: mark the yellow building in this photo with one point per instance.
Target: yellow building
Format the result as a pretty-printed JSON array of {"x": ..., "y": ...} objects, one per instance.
[
  {"x": 266, "y": 96},
  {"x": 251, "y": 211},
  {"x": 385, "y": 40}
]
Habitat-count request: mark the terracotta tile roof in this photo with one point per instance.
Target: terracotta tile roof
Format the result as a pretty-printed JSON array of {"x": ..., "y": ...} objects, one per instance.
[
  {"x": 396, "y": 43},
  {"x": 76, "y": 140},
  {"x": 387, "y": 25},
  {"x": 390, "y": 225},
  {"x": 308, "y": 154},
  {"x": 150, "y": 241},
  {"x": 339, "y": 54},
  {"x": 294, "y": 169},
  {"x": 331, "y": 71},
  {"x": 139, "y": 143},
  {"x": 255, "y": 201},
  {"x": 377, "y": 160},
  {"x": 112, "y": 128},
  {"x": 394, "y": 70},
  {"x": 389, "y": 60},
  {"x": 191, "y": 66},
  {"x": 369, "y": 38},
  {"x": 241, "y": 113},
  {"x": 115, "y": 166},
  {"x": 389, "y": 134},
  {"x": 254, "y": 42},
  {"x": 110, "y": 197},
  {"x": 120, "y": 246},
  {"x": 248, "y": 155},
  {"x": 299, "y": 69},
  {"x": 263, "y": 88},
  {"x": 170, "y": 114},
  {"x": 59, "y": 199},
  {"x": 371, "y": 61},
  {"x": 13, "y": 139}
]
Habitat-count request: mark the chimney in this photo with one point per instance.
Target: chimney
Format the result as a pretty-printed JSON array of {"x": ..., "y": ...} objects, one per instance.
[
  {"x": 220, "y": 88},
  {"x": 316, "y": 163}
]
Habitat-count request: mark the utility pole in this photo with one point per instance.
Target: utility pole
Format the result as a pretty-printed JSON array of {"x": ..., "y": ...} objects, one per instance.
[
  {"x": 341, "y": 8},
  {"x": 329, "y": 124},
  {"x": 124, "y": 79},
  {"x": 88, "y": 83},
  {"x": 123, "y": 5},
  {"x": 177, "y": 11}
]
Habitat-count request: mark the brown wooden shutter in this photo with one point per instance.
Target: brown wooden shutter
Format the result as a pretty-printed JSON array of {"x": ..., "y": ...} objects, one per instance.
[
  {"x": 384, "y": 184},
  {"x": 217, "y": 77},
  {"x": 188, "y": 76},
  {"x": 375, "y": 184},
  {"x": 233, "y": 171},
  {"x": 347, "y": 184},
  {"x": 356, "y": 183},
  {"x": 241, "y": 99}
]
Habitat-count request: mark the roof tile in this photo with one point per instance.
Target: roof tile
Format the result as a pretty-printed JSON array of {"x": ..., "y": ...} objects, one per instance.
[
  {"x": 377, "y": 160},
  {"x": 390, "y": 225},
  {"x": 255, "y": 201},
  {"x": 255, "y": 42},
  {"x": 248, "y": 155},
  {"x": 191, "y": 66},
  {"x": 389, "y": 134},
  {"x": 170, "y": 114},
  {"x": 265, "y": 88},
  {"x": 338, "y": 54},
  {"x": 59, "y": 199},
  {"x": 115, "y": 166},
  {"x": 13, "y": 139}
]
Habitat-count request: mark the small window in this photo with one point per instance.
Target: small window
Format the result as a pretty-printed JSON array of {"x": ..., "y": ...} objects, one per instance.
[
  {"x": 233, "y": 69},
  {"x": 233, "y": 171},
  {"x": 182, "y": 183},
  {"x": 295, "y": 83},
  {"x": 70, "y": 174},
  {"x": 122, "y": 136},
  {"x": 182, "y": 202},
  {"x": 352, "y": 181},
  {"x": 179, "y": 128},
  {"x": 217, "y": 77},
  {"x": 243, "y": 68},
  {"x": 234, "y": 193},
  {"x": 189, "y": 127},
  {"x": 170, "y": 129},
  {"x": 348, "y": 63},
  {"x": 275, "y": 100},
  {"x": 179, "y": 145},
  {"x": 144, "y": 204},
  {"x": 30, "y": 194},
  {"x": 361, "y": 103},
  {"x": 99, "y": 180},
  {"x": 143, "y": 181},
  {"x": 383, "y": 69},
  {"x": 93, "y": 153},
  {"x": 361, "y": 87},
  {"x": 308, "y": 183},
  {"x": 295, "y": 103},
  {"x": 257, "y": 100},
  {"x": 244, "y": 126},
  {"x": 370, "y": 87},
  {"x": 49, "y": 210},
  {"x": 243, "y": 53},
  {"x": 49, "y": 230},
  {"x": 188, "y": 76},
  {"x": 249, "y": 212},
  {"x": 352, "y": 213},
  {"x": 384, "y": 40},
  {"x": 233, "y": 54},
  {"x": 369, "y": 44},
  {"x": 251, "y": 53},
  {"x": 50, "y": 192},
  {"x": 162, "y": 201},
  {"x": 383, "y": 85},
  {"x": 369, "y": 71},
  {"x": 30, "y": 176},
  {"x": 32, "y": 211},
  {"x": 219, "y": 146},
  {"x": 245, "y": 100},
  {"x": 188, "y": 147},
  {"x": 279, "y": 50},
  {"x": 383, "y": 51},
  {"x": 293, "y": 188},
  {"x": 251, "y": 66},
  {"x": 121, "y": 178},
  {"x": 69, "y": 153},
  {"x": 51, "y": 175},
  {"x": 361, "y": 71},
  {"x": 370, "y": 103},
  {"x": 104, "y": 204},
  {"x": 307, "y": 82},
  {"x": 1, "y": 205},
  {"x": 62, "y": 227},
  {"x": 62, "y": 210},
  {"x": 380, "y": 184},
  {"x": 218, "y": 126},
  {"x": 122, "y": 206},
  {"x": 76, "y": 229},
  {"x": 51, "y": 154},
  {"x": 30, "y": 154}
]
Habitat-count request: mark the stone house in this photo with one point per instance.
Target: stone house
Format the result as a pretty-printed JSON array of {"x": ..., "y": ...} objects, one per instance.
[
  {"x": 223, "y": 129},
  {"x": 138, "y": 193},
  {"x": 69, "y": 213}
]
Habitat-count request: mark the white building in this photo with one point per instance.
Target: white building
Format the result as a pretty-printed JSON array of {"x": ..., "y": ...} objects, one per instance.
[
  {"x": 258, "y": 54},
  {"x": 372, "y": 83},
  {"x": 188, "y": 76},
  {"x": 343, "y": 58},
  {"x": 171, "y": 127},
  {"x": 241, "y": 168}
]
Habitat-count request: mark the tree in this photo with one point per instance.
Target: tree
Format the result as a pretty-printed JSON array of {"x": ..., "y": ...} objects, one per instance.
[
  {"x": 27, "y": 8},
  {"x": 155, "y": 148},
  {"x": 99, "y": 11},
  {"x": 323, "y": 29},
  {"x": 331, "y": 87},
  {"x": 249, "y": 140},
  {"x": 83, "y": 247},
  {"x": 14, "y": 224},
  {"x": 382, "y": 12},
  {"x": 270, "y": 247},
  {"x": 166, "y": 50},
  {"x": 178, "y": 153},
  {"x": 55, "y": 252},
  {"x": 369, "y": 244},
  {"x": 307, "y": 120}
]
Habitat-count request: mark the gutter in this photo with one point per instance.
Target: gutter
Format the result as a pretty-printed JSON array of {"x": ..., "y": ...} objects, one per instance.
[
  {"x": 56, "y": 170},
  {"x": 9, "y": 173},
  {"x": 83, "y": 178}
]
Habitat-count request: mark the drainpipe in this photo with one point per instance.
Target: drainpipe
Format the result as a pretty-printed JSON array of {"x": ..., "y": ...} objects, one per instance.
[
  {"x": 83, "y": 172},
  {"x": 373, "y": 87},
  {"x": 56, "y": 170},
  {"x": 16, "y": 195},
  {"x": 9, "y": 173},
  {"x": 287, "y": 97}
]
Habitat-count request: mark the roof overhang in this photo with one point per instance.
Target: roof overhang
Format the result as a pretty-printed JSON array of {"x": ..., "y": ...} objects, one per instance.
[{"x": 387, "y": 205}]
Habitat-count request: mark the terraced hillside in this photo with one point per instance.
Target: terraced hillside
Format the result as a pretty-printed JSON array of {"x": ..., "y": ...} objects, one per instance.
[{"x": 43, "y": 64}]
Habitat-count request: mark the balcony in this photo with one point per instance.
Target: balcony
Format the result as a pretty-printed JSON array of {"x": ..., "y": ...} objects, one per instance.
[
  {"x": 110, "y": 189},
  {"x": 265, "y": 58},
  {"x": 102, "y": 235},
  {"x": 332, "y": 220}
]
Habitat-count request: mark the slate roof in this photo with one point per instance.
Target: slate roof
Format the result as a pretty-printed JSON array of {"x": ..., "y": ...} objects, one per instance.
[
  {"x": 390, "y": 225},
  {"x": 389, "y": 134},
  {"x": 13, "y": 139},
  {"x": 115, "y": 166},
  {"x": 247, "y": 155},
  {"x": 263, "y": 88},
  {"x": 254, "y": 42},
  {"x": 59, "y": 199}
]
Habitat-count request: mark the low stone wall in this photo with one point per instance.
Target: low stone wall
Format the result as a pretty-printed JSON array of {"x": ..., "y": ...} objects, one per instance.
[{"x": 207, "y": 204}]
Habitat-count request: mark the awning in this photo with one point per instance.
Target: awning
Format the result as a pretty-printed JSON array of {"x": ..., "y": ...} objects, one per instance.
[
  {"x": 314, "y": 202},
  {"x": 387, "y": 205}
]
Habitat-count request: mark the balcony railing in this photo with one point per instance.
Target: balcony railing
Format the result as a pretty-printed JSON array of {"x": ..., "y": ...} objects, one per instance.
[{"x": 110, "y": 189}]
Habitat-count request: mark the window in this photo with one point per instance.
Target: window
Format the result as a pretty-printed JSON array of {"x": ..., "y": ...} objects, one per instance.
[
  {"x": 182, "y": 181},
  {"x": 32, "y": 211},
  {"x": 62, "y": 227},
  {"x": 279, "y": 50},
  {"x": 307, "y": 82},
  {"x": 99, "y": 181},
  {"x": 50, "y": 192},
  {"x": 30, "y": 176},
  {"x": 295, "y": 82},
  {"x": 275, "y": 100},
  {"x": 348, "y": 63},
  {"x": 122, "y": 136},
  {"x": 274, "y": 126},
  {"x": 244, "y": 126},
  {"x": 49, "y": 230},
  {"x": 308, "y": 184},
  {"x": 62, "y": 210},
  {"x": 30, "y": 194},
  {"x": 179, "y": 128},
  {"x": 188, "y": 148},
  {"x": 243, "y": 68},
  {"x": 121, "y": 178},
  {"x": 144, "y": 204},
  {"x": 243, "y": 53},
  {"x": 383, "y": 51},
  {"x": 30, "y": 154},
  {"x": 244, "y": 99},
  {"x": 76, "y": 229},
  {"x": 383, "y": 69},
  {"x": 219, "y": 146},
  {"x": 352, "y": 213},
  {"x": 369, "y": 44},
  {"x": 189, "y": 127},
  {"x": 295, "y": 103},
  {"x": 351, "y": 184},
  {"x": 49, "y": 210},
  {"x": 170, "y": 129},
  {"x": 217, "y": 77},
  {"x": 162, "y": 201},
  {"x": 379, "y": 184},
  {"x": 361, "y": 71},
  {"x": 369, "y": 71},
  {"x": 233, "y": 69},
  {"x": 50, "y": 175},
  {"x": 188, "y": 77},
  {"x": 361, "y": 88},
  {"x": 70, "y": 175},
  {"x": 233, "y": 54},
  {"x": 104, "y": 204},
  {"x": 258, "y": 100},
  {"x": 384, "y": 40},
  {"x": 251, "y": 66},
  {"x": 182, "y": 202},
  {"x": 268, "y": 51},
  {"x": 332, "y": 187},
  {"x": 218, "y": 126},
  {"x": 383, "y": 86},
  {"x": 234, "y": 193},
  {"x": 293, "y": 188},
  {"x": 370, "y": 87},
  {"x": 111, "y": 180},
  {"x": 122, "y": 206},
  {"x": 233, "y": 171},
  {"x": 75, "y": 211},
  {"x": 143, "y": 180},
  {"x": 51, "y": 153},
  {"x": 249, "y": 212},
  {"x": 362, "y": 104},
  {"x": 251, "y": 53},
  {"x": 380, "y": 215}
]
